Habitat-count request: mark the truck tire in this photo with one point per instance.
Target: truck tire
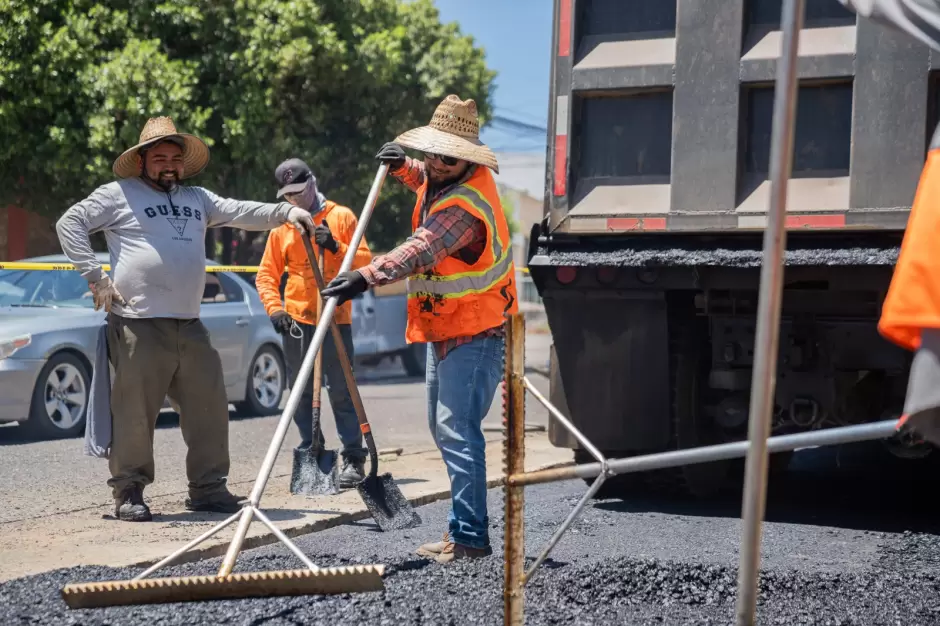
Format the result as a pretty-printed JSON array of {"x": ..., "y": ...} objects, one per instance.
[{"x": 691, "y": 428}]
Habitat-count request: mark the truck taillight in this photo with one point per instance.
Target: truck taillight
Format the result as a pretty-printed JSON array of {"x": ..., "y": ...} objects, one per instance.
[
  {"x": 606, "y": 275},
  {"x": 566, "y": 275}
]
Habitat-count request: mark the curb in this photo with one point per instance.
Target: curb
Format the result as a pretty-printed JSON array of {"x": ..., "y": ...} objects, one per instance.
[{"x": 268, "y": 538}]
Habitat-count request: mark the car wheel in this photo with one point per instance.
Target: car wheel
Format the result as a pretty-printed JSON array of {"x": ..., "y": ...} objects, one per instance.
[
  {"x": 415, "y": 358},
  {"x": 60, "y": 399},
  {"x": 267, "y": 379}
]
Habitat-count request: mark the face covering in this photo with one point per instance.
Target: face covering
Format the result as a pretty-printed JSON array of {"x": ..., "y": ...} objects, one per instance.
[{"x": 310, "y": 197}]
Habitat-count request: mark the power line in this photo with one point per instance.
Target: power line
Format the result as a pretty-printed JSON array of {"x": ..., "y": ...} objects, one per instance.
[{"x": 518, "y": 125}]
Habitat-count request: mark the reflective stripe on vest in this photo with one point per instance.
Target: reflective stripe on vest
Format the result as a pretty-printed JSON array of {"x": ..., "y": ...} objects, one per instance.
[{"x": 463, "y": 283}]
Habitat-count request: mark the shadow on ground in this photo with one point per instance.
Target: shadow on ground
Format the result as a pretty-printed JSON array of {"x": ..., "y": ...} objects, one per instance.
[{"x": 859, "y": 487}]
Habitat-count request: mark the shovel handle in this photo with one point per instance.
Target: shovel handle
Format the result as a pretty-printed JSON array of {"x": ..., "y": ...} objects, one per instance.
[
  {"x": 318, "y": 363},
  {"x": 346, "y": 366}
]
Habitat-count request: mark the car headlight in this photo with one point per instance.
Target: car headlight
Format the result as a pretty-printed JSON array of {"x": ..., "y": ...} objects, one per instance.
[{"x": 9, "y": 347}]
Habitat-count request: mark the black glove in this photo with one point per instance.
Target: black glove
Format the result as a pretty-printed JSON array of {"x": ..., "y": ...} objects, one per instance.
[
  {"x": 281, "y": 322},
  {"x": 346, "y": 286},
  {"x": 324, "y": 238},
  {"x": 392, "y": 154}
]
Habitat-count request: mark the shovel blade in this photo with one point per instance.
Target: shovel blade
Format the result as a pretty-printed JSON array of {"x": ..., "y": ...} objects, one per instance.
[
  {"x": 314, "y": 473},
  {"x": 387, "y": 504}
]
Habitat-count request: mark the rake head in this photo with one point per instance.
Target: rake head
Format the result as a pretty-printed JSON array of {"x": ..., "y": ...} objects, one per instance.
[{"x": 330, "y": 580}]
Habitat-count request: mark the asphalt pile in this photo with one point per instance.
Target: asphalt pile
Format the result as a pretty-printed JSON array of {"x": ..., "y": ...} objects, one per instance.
[
  {"x": 657, "y": 252},
  {"x": 612, "y": 591},
  {"x": 626, "y": 564}
]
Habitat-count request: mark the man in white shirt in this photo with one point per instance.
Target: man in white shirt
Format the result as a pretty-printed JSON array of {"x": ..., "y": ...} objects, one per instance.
[{"x": 155, "y": 230}]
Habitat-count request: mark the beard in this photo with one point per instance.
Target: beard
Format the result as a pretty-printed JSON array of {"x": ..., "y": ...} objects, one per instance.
[{"x": 168, "y": 180}]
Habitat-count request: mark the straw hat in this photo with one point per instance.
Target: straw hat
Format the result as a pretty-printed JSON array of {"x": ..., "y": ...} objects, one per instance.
[
  {"x": 454, "y": 131},
  {"x": 195, "y": 150}
]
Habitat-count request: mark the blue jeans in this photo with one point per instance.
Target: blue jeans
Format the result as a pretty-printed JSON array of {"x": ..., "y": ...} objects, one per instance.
[{"x": 460, "y": 391}]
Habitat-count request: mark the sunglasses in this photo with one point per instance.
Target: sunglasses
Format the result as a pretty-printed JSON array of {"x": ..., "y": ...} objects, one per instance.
[{"x": 446, "y": 160}]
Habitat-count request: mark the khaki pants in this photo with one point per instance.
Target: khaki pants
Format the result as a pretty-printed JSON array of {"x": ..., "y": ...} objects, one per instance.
[{"x": 153, "y": 358}]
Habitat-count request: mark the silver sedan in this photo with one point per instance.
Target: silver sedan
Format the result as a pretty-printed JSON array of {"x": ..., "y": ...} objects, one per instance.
[{"x": 49, "y": 332}]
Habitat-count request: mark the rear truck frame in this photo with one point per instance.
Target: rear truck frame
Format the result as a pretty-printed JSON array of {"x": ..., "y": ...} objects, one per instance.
[{"x": 658, "y": 191}]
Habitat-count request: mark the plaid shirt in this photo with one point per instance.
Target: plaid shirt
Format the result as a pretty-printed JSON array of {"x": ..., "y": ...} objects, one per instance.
[{"x": 449, "y": 232}]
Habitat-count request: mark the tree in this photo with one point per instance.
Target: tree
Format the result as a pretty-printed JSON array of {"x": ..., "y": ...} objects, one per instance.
[{"x": 260, "y": 80}]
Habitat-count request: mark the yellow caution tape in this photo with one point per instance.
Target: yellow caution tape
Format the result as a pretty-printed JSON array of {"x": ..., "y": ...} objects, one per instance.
[
  {"x": 16, "y": 265},
  {"x": 106, "y": 266}
]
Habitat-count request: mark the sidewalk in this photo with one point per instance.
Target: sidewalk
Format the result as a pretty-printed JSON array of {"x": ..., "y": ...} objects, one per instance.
[{"x": 94, "y": 537}]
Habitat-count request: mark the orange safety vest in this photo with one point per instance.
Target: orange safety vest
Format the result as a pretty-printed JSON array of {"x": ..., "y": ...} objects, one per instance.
[
  {"x": 913, "y": 299},
  {"x": 457, "y": 299}
]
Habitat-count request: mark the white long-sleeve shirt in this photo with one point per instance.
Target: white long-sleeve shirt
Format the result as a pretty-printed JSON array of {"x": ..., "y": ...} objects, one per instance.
[{"x": 156, "y": 241}]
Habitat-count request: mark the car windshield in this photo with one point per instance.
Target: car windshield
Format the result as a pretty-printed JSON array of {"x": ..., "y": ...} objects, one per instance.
[{"x": 44, "y": 288}]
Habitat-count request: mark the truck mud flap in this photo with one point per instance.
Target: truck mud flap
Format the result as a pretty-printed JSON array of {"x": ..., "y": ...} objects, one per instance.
[{"x": 610, "y": 356}]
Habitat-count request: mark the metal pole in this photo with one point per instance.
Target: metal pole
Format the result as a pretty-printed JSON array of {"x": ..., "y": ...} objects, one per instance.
[
  {"x": 564, "y": 527},
  {"x": 763, "y": 380},
  {"x": 720, "y": 452},
  {"x": 294, "y": 399},
  {"x": 514, "y": 449},
  {"x": 286, "y": 541},
  {"x": 564, "y": 421},
  {"x": 189, "y": 546}
]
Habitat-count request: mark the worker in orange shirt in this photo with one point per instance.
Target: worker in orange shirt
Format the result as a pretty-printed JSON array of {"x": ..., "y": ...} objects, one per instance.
[{"x": 297, "y": 316}]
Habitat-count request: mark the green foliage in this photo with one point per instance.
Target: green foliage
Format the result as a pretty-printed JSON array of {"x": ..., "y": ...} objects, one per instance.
[{"x": 328, "y": 81}]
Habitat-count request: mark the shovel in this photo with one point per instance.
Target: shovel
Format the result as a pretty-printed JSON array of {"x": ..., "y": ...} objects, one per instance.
[
  {"x": 385, "y": 501},
  {"x": 315, "y": 469}
]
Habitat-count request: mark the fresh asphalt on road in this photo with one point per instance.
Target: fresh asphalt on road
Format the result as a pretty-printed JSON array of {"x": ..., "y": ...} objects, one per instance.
[{"x": 851, "y": 539}]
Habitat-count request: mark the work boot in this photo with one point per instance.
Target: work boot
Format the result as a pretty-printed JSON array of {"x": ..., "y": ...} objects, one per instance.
[
  {"x": 352, "y": 474},
  {"x": 455, "y": 552},
  {"x": 221, "y": 502},
  {"x": 130, "y": 506},
  {"x": 432, "y": 550}
]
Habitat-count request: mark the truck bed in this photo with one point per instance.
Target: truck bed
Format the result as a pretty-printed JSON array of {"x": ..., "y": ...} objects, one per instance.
[{"x": 663, "y": 124}]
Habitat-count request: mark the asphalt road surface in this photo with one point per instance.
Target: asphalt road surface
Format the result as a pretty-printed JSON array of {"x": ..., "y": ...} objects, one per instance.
[
  {"x": 850, "y": 540},
  {"x": 45, "y": 478}
]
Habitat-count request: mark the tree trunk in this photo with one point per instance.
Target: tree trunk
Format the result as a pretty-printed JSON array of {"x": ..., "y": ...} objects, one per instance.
[
  {"x": 210, "y": 243},
  {"x": 227, "y": 246}
]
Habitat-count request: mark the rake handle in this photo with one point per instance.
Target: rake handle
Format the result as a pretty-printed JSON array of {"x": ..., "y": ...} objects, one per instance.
[{"x": 346, "y": 366}]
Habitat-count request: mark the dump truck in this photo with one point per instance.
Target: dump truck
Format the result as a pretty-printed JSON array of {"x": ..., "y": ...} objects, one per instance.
[{"x": 657, "y": 192}]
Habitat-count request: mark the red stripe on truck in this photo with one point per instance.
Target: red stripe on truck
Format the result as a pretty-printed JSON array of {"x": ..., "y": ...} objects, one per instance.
[
  {"x": 636, "y": 223},
  {"x": 815, "y": 221},
  {"x": 561, "y": 165},
  {"x": 564, "y": 28}
]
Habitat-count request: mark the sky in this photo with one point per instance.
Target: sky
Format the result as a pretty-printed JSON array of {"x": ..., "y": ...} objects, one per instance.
[{"x": 517, "y": 36}]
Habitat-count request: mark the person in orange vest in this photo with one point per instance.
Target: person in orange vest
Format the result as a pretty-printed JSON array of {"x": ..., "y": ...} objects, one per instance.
[
  {"x": 297, "y": 316},
  {"x": 910, "y": 315},
  {"x": 461, "y": 286}
]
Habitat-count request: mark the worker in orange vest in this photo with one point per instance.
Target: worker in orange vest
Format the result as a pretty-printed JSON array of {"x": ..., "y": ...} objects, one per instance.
[
  {"x": 461, "y": 286},
  {"x": 910, "y": 316},
  {"x": 297, "y": 317}
]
